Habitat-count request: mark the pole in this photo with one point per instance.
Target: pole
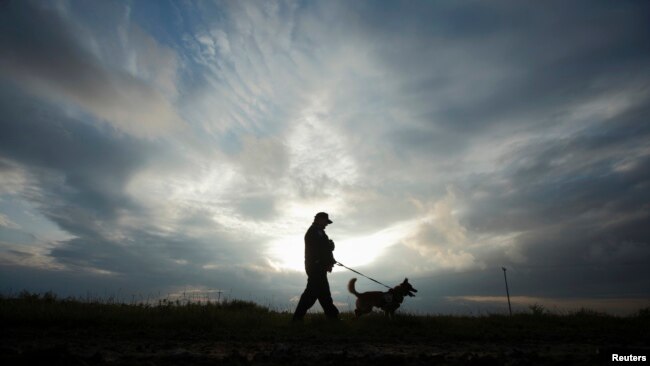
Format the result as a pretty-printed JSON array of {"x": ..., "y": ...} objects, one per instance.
[{"x": 507, "y": 292}]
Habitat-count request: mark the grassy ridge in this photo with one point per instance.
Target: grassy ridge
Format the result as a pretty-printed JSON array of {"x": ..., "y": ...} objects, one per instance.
[{"x": 241, "y": 320}]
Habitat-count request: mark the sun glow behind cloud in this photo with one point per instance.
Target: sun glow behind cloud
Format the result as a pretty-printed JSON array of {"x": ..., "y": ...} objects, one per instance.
[
  {"x": 288, "y": 252},
  {"x": 320, "y": 167}
]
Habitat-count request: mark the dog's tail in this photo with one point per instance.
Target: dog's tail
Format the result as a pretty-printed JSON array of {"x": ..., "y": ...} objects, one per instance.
[{"x": 351, "y": 287}]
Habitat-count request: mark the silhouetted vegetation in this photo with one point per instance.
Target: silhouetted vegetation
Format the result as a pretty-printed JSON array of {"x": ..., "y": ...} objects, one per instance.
[
  {"x": 233, "y": 318},
  {"x": 245, "y": 324}
]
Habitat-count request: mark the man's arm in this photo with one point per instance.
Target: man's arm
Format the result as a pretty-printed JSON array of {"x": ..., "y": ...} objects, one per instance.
[
  {"x": 329, "y": 254},
  {"x": 322, "y": 248}
]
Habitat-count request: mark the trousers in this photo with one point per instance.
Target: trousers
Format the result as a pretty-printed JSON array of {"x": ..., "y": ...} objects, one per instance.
[{"x": 317, "y": 289}]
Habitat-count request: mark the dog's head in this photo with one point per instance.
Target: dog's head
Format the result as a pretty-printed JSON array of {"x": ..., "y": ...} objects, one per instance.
[{"x": 407, "y": 289}]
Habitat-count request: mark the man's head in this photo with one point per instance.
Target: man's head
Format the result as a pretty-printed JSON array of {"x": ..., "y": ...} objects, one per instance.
[{"x": 322, "y": 219}]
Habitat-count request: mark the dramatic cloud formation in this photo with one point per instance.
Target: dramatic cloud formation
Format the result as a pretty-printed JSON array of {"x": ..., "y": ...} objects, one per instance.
[
  {"x": 46, "y": 54},
  {"x": 156, "y": 148}
]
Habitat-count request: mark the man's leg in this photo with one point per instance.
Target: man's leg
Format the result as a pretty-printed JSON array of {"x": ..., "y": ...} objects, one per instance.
[
  {"x": 325, "y": 297},
  {"x": 307, "y": 299}
]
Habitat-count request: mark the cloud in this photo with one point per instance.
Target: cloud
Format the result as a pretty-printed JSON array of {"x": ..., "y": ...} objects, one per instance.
[
  {"x": 441, "y": 239},
  {"x": 12, "y": 179},
  {"x": 55, "y": 149},
  {"x": 571, "y": 189},
  {"x": 45, "y": 55},
  {"x": 77, "y": 176},
  {"x": 262, "y": 157},
  {"x": 7, "y": 223}
]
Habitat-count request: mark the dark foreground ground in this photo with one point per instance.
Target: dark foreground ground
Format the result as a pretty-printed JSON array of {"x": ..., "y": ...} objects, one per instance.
[{"x": 40, "y": 331}]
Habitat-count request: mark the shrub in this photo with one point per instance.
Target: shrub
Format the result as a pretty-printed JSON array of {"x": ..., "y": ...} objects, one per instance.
[{"x": 537, "y": 309}]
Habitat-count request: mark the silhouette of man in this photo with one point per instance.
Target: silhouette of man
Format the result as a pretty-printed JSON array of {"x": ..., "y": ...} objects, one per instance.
[{"x": 319, "y": 259}]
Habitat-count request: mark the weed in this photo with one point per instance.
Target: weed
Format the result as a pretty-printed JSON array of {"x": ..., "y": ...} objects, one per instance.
[
  {"x": 537, "y": 309},
  {"x": 244, "y": 320}
]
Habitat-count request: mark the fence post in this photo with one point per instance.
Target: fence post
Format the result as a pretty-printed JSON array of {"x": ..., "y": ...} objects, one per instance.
[{"x": 507, "y": 291}]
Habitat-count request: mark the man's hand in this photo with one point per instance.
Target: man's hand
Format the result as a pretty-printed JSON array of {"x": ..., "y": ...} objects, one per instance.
[{"x": 331, "y": 265}]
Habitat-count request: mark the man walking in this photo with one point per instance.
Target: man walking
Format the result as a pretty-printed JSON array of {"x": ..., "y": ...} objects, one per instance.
[{"x": 319, "y": 259}]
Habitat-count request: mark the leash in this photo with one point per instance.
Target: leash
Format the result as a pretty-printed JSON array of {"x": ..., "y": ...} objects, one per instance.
[{"x": 357, "y": 272}]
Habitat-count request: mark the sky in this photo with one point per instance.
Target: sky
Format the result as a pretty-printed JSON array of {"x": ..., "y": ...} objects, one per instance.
[{"x": 157, "y": 149}]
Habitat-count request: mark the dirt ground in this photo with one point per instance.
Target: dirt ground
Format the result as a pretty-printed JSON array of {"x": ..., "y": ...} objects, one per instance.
[{"x": 22, "y": 347}]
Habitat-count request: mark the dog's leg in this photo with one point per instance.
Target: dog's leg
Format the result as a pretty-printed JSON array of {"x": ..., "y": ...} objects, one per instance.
[
  {"x": 362, "y": 311},
  {"x": 389, "y": 312},
  {"x": 357, "y": 310}
]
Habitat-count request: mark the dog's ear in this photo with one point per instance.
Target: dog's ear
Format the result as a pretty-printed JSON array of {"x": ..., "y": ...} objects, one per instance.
[{"x": 406, "y": 280}]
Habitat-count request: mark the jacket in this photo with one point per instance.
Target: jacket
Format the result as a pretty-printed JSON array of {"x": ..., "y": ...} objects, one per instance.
[{"x": 319, "y": 249}]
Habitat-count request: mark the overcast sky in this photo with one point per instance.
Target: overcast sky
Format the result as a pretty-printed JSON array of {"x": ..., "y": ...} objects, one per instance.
[{"x": 151, "y": 148}]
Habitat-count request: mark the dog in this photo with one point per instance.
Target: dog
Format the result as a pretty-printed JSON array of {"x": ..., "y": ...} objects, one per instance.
[{"x": 388, "y": 301}]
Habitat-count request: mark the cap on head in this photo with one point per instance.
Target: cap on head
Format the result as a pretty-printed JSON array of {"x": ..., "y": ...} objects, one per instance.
[{"x": 323, "y": 215}]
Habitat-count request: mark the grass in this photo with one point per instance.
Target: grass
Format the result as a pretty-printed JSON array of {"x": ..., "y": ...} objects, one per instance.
[{"x": 246, "y": 321}]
